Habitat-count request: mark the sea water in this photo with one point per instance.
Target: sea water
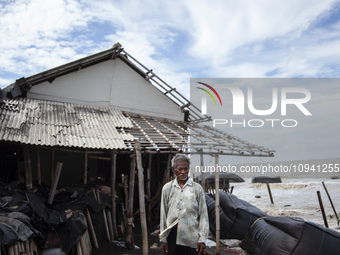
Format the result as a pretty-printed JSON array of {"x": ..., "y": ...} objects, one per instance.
[{"x": 294, "y": 198}]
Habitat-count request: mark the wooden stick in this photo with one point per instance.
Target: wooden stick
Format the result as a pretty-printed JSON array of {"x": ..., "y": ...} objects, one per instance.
[
  {"x": 10, "y": 250},
  {"x": 93, "y": 233},
  {"x": 148, "y": 189},
  {"x": 27, "y": 248},
  {"x": 113, "y": 193},
  {"x": 85, "y": 168},
  {"x": 83, "y": 246},
  {"x": 55, "y": 182},
  {"x": 270, "y": 192},
  {"x": 38, "y": 166},
  {"x": 79, "y": 251},
  {"x": 217, "y": 206},
  {"x": 141, "y": 198},
  {"x": 322, "y": 209},
  {"x": 330, "y": 200},
  {"x": 129, "y": 235},
  {"x": 52, "y": 165},
  {"x": 28, "y": 168},
  {"x": 106, "y": 226},
  {"x": 109, "y": 222}
]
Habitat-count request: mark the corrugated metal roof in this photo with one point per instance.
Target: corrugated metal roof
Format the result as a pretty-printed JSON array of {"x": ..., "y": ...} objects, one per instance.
[{"x": 49, "y": 123}]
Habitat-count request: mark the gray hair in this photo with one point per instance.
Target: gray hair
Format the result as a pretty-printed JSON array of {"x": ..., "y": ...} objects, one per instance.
[{"x": 179, "y": 158}]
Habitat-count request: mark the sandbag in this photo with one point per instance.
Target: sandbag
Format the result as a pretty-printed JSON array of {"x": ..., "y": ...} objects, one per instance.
[
  {"x": 241, "y": 215},
  {"x": 290, "y": 236},
  {"x": 212, "y": 217}
]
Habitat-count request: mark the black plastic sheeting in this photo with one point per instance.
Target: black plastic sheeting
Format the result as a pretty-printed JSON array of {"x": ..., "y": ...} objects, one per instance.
[
  {"x": 24, "y": 215},
  {"x": 293, "y": 236},
  {"x": 236, "y": 215}
]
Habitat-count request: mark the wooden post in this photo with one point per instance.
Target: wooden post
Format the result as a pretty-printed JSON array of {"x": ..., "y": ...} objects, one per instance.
[
  {"x": 113, "y": 193},
  {"x": 52, "y": 165},
  {"x": 93, "y": 233},
  {"x": 38, "y": 166},
  {"x": 322, "y": 209},
  {"x": 270, "y": 192},
  {"x": 28, "y": 169},
  {"x": 148, "y": 189},
  {"x": 129, "y": 235},
  {"x": 85, "y": 168},
  {"x": 217, "y": 205},
  {"x": 330, "y": 200},
  {"x": 141, "y": 197},
  {"x": 55, "y": 182},
  {"x": 202, "y": 175}
]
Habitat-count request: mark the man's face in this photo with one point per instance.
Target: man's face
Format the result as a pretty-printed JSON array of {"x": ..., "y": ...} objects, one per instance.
[{"x": 182, "y": 170}]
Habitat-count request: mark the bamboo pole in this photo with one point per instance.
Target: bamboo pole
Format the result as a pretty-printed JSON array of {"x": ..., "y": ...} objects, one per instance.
[
  {"x": 55, "y": 182},
  {"x": 93, "y": 233},
  {"x": 52, "y": 165},
  {"x": 106, "y": 226},
  {"x": 28, "y": 168},
  {"x": 27, "y": 247},
  {"x": 85, "y": 167},
  {"x": 322, "y": 209},
  {"x": 109, "y": 222},
  {"x": 330, "y": 200},
  {"x": 217, "y": 205},
  {"x": 148, "y": 189},
  {"x": 38, "y": 166},
  {"x": 141, "y": 197},
  {"x": 202, "y": 176},
  {"x": 113, "y": 193},
  {"x": 129, "y": 235}
]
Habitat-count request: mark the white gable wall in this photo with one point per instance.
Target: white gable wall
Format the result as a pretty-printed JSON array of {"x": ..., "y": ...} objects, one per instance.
[{"x": 109, "y": 84}]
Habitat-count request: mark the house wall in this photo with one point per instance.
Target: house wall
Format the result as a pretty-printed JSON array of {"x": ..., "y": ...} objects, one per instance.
[{"x": 109, "y": 84}]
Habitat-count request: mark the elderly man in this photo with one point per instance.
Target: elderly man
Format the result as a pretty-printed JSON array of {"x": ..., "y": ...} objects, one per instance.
[{"x": 184, "y": 222}]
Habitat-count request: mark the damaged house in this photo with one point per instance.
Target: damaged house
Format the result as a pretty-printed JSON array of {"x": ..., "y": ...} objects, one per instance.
[{"x": 108, "y": 123}]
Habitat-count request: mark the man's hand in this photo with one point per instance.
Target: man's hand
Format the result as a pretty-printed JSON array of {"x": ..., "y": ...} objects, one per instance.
[
  {"x": 164, "y": 248},
  {"x": 200, "y": 248}
]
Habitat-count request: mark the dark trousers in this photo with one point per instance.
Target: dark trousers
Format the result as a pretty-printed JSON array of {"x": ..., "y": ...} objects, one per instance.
[{"x": 174, "y": 249}]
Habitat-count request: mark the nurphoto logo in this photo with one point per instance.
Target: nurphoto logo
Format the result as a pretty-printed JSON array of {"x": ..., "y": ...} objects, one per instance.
[{"x": 279, "y": 100}]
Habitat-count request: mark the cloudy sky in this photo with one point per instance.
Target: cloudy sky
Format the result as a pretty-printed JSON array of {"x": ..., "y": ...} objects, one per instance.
[{"x": 177, "y": 39}]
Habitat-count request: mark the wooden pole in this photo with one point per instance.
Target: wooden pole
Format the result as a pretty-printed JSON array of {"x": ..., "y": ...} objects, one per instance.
[
  {"x": 38, "y": 166},
  {"x": 28, "y": 168},
  {"x": 148, "y": 189},
  {"x": 322, "y": 209},
  {"x": 55, "y": 182},
  {"x": 202, "y": 175},
  {"x": 129, "y": 235},
  {"x": 93, "y": 233},
  {"x": 270, "y": 192},
  {"x": 217, "y": 205},
  {"x": 85, "y": 168},
  {"x": 141, "y": 198},
  {"x": 52, "y": 165},
  {"x": 330, "y": 200},
  {"x": 113, "y": 193}
]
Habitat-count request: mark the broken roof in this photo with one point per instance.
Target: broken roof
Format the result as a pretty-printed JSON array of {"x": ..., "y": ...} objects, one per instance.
[{"x": 48, "y": 123}]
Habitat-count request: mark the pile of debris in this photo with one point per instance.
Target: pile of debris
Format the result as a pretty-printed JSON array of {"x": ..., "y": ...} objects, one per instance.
[{"x": 31, "y": 224}]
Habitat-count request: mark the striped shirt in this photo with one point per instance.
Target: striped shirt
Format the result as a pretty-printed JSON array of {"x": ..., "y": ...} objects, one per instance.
[{"x": 185, "y": 207}]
